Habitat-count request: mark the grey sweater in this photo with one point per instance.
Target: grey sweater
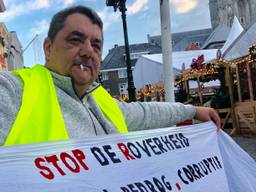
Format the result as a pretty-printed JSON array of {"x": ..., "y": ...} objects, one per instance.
[{"x": 83, "y": 117}]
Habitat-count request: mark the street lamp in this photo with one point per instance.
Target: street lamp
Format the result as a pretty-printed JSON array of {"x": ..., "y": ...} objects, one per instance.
[{"x": 121, "y": 5}]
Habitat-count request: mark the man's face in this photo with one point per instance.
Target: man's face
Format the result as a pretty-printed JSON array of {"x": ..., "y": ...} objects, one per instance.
[{"x": 76, "y": 50}]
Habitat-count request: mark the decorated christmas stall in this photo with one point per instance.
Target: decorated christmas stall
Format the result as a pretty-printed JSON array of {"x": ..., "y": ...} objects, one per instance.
[
  {"x": 235, "y": 68},
  {"x": 240, "y": 78},
  {"x": 238, "y": 62},
  {"x": 148, "y": 72},
  {"x": 224, "y": 79}
]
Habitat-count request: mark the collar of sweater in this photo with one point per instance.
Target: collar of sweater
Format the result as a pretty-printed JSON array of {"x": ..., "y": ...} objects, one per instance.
[{"x": 65, "y": 83}]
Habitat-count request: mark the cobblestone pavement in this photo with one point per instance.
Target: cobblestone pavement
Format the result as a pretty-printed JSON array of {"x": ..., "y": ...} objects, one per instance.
[{"x": 248, "y": 144}]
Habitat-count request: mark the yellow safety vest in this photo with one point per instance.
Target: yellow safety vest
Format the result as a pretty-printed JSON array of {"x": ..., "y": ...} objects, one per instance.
[{"x": 40, "y": 119}]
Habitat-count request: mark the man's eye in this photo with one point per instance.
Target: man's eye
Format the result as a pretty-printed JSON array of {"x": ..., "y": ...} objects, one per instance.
[
  {"x": 75, "y": 40},
  {"x": 98, "y": 47}
]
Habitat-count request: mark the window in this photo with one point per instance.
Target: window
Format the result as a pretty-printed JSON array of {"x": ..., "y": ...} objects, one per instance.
[
  {"x": 123, "y": 88},
  {"x": 104, "y": 76},
  {"x": 242, "y": 20},
  {"x": 122, "y": 73}
]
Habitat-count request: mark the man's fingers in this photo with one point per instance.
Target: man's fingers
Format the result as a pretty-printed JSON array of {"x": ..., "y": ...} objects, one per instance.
[
  {"x": 215, "y": 117},
  {"x": 207, "y": 114}
]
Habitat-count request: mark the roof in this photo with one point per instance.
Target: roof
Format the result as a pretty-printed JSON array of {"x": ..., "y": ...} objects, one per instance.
[
  {"x": 180, "y": 57},
  {"x": 220, "y": 34},
  {"x": 240, "y": 46},
  {"x": 116, "y": 59},
  {"x": 183, "y": 44},
  {"x": 182, "y": 39},
  {"x": 234, "y": 33}
]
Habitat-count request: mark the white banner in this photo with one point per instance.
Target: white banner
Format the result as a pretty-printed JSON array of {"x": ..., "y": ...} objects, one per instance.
[{"x": 194, "y": 158}]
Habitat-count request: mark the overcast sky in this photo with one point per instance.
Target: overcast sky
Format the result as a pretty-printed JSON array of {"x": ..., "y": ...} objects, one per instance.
[{"x": 31, "y": 17}]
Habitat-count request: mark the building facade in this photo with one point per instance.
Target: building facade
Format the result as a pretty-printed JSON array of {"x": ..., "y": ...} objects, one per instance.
[
  {"x": 223, "y": 11},
  {"x": 2, "y": 6},
  {"x": 15, "y": 54},
  {"x": 3, "y": 47},
  {"x": 11, "y": 54}
]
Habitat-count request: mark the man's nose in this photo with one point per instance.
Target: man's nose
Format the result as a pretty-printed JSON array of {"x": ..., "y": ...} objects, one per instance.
[{"x": 86, "y": 48}]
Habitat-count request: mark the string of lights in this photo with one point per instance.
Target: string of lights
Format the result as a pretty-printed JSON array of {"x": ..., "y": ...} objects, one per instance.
[{"x": 209, "y": 70}]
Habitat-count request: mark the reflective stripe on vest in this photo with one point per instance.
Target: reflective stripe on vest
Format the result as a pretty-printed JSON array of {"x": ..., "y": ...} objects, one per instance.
[{"x": 39, "y": 118}]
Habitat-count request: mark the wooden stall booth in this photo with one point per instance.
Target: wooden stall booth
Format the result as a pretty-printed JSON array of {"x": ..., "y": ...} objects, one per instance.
[
  {"x": 214, "y": 95},
  {"x": 241, "y": 81}
]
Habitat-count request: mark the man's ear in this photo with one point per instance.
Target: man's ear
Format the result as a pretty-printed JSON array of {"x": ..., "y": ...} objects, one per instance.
[{"x": 47, "y": 48}]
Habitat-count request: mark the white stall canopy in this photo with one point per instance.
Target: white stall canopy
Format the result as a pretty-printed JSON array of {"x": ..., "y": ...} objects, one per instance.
[{"x": 234, "y": 33}]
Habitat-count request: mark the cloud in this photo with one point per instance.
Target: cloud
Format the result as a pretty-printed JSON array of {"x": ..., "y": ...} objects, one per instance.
[
  {"x": 40, "y": 27},
  {"x": 10, "y": 14},
  {"x": 60, "y": 4},
  {"x": 108, "y": 16},
  {"x": 184, "y": 6},
  {"x": 14, "y": 9},
  {"x": 68, "y": 2},
  {"x": 37, "y": 4},
  {"x": 197, "y": 18},
  {"x": 137, "y": 6},
  {"x": 7, "y": 2},
  {"x": 23, "y": 8}
]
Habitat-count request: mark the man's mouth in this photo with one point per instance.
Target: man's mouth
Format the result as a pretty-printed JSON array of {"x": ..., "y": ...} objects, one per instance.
[
  {"x": 85, "y": 67},
  {"x": 81, "y": 67}
]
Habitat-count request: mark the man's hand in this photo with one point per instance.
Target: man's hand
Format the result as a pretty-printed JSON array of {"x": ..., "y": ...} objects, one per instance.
[{"x": 207, "y": 114}]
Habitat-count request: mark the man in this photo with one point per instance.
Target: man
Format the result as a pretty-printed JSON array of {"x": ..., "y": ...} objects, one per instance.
[{"x": 62, "y": 99}]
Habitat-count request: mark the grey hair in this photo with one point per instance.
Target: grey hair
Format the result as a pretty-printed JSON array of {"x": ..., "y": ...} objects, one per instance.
[{"x": 60, "y": 17}]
